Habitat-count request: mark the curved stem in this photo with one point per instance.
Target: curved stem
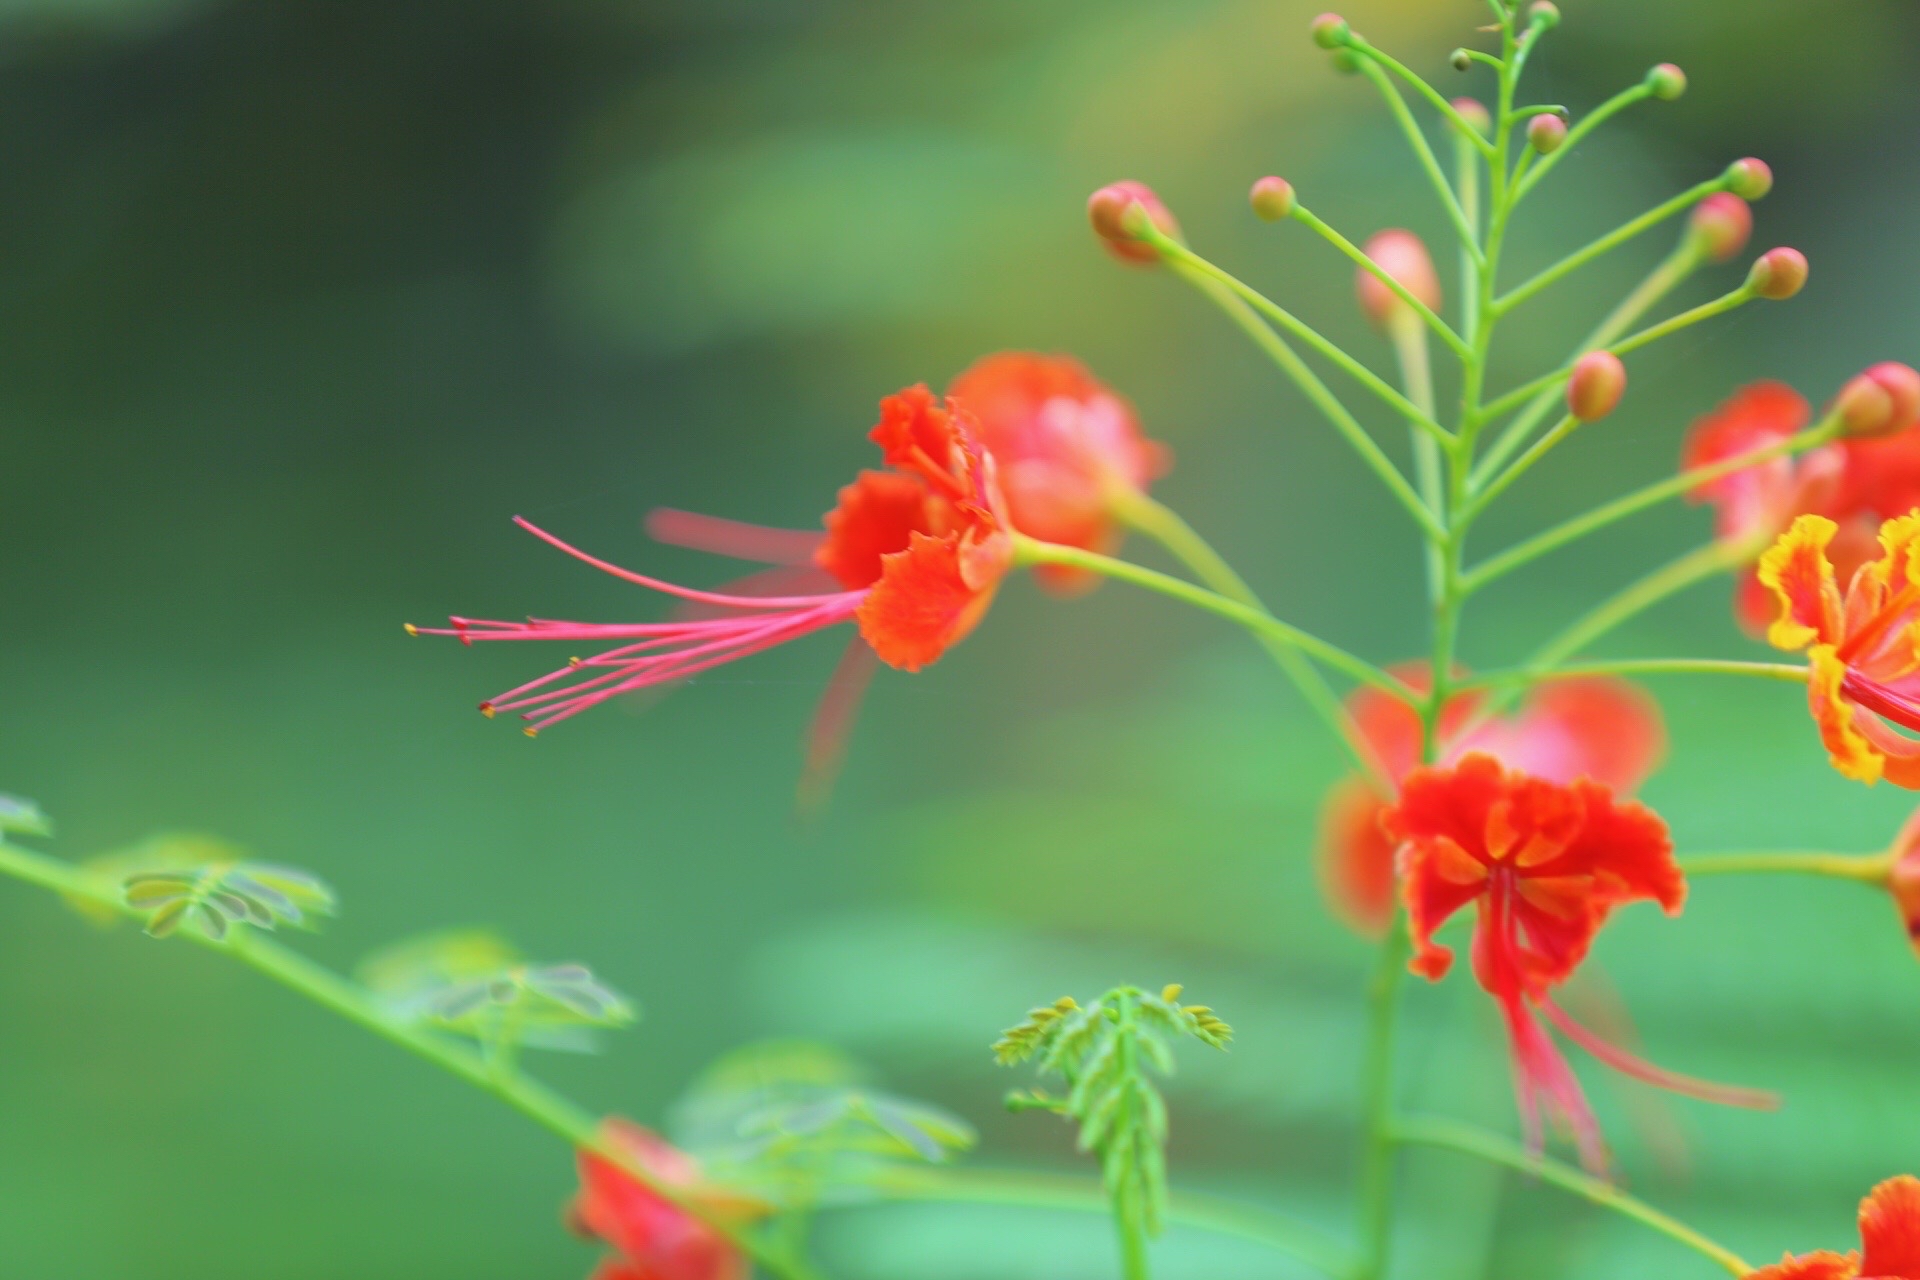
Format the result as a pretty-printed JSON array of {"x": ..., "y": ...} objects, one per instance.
[
  {"x": 1030, "y": 551},
  {"x": 1416, "y": 374},
  {"x": 1862, "y": 868},
  {"x": 1440, "y": 327},
  {"x": 1453, "y": 1136},
  {"x": 1578, "y": 134},
  {"x": 1422, "y": 151},
  {"x": 1377, "y": 1159},
  {"x": 1373, "y": 54},
  {"x": 1609, "y": 242},
  {"x": 1541, "y": 447},
  {"x": 1781, "y": 671}
]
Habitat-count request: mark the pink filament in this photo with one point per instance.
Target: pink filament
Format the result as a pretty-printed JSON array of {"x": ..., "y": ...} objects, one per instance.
[
  {"x": 1640, "y": 1069},
  {"x": 733, "y": 538},
  {"x": 668, "y": 588}
]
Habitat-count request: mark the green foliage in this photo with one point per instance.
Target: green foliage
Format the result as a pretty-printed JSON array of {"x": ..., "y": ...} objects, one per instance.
[
  {"x": 220, "y": 895},
  {"x": 22, "y": 817},
  {"x": 1104, "y": 1051},
  {"x": 474, "y": 983}
]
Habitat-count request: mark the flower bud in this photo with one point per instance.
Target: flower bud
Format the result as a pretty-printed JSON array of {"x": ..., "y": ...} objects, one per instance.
[
  {"x": 1475, "y": 114},
  {"x": 1545, "y": 133},
  {"x": 1111, "y": 211},
  {"x": 1778, "y": 274},
  {"x": 1883, "y": 401},
  {"x": 1544, "y": 13},
  {"x": 1750, "y": 179},
  {"x": 1460, "y": 60},
  {"x": 1667, "y": 82},
  {"x": 1598, "y": 382},
  {"x": 1272, "y": 199},
  {"x": 1345, "y": 61},
  {"x": 1720, "y": 226},
  {"x": 1330, "y": 30},
  {"x": 1401, "y": 255}
]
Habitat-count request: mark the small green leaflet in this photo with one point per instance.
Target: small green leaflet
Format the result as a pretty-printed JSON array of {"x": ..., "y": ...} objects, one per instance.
[{"x": 217, "y": 897}]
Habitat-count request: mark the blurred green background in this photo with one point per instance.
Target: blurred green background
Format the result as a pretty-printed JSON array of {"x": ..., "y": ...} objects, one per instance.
[{"x": 301, "y": 299}]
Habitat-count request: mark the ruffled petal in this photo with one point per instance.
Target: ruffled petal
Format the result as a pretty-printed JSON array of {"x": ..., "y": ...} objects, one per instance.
[
  {"x": 1811, "y": 1266},
  {"x": 923, "y": 604},
  {"x": 1630, "y": 851},
  {"x": 1751, "y": 500},
  {"x": 1890, "y": 1229},
  {"x": 1904, "y": 880},
  {"x": 1840, "y": 722},
  {"x": 1356, "y": 857},
  {"x": 1592, "y": 727},
  {"x": 1441, "y": 820},
  {"x": 917, "y": 434},
  {"x": 874, "y": 518},
  {"x": 1797, "y": 571}
]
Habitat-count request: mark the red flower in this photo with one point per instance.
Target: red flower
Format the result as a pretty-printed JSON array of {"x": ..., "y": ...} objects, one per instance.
[
  {"x": 1903, "y": 878},
  {"x": 1544, "y": 865},
  {"x": 1863, "y": 648},
  {"x": 652, "y": 1237},
  {"x": 1583, "y": 727},
  {"x": 1064, "y": 444},
  {"x": 918, "y": 552},
  {"x": 1889, "y": 1236}
]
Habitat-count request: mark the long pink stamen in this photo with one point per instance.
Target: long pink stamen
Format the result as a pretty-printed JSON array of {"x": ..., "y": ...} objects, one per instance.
[
  {"x": 1659, "y": 1077},
  {"x": 733, "y": 538},
  {"x": 1541, "y": 1072},
  {"x": 1876, "y": 697},
  {"x": 668, "y": 588}
]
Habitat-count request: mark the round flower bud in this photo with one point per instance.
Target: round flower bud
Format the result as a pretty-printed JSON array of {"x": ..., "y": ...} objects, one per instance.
[
  {"x": 1720, "y": 226},
  {"x": 1330, "y": 30},
  {"x": 1401, "y": 255},
  {"x": 1461, "y": 60},
  {"x": 1749, "y": 179},
  {"x": 1667, "y": 82},
  {"x": 1883, "y": 401},
  {"x": 1778, "y": 274},
  {"x": 1272, "y": 199},
  {"x": 1111, "y": 211},
  {"x": 1475, "y": 114},
  {"x": 1345, "y": 61},
  {"x": 1544, "y": 13},
  {"x": 1545, "y": 133},
  {"x": 1598, "y": 382}
]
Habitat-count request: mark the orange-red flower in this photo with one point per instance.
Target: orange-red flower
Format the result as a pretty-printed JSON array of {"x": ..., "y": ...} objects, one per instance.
[
  {"x": 1903, "y": 878},
  {"x": 1543, "y": 865},
  {"x": 1583, "y": 727},
  {"x": 917, "y": 552},
  {"x": 1066, "y": 447},
  {"x": 652, "y": 1237},
  {"x": 1863, "y": 647},
  {"x": 1889, "y": 1239}
]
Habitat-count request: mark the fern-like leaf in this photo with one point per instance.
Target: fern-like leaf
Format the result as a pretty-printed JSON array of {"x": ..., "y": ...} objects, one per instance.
[{"x": 217, "y": 896}]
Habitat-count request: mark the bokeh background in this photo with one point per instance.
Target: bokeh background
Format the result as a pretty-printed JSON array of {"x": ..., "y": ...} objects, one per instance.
[{"x": 301, "y": 299}]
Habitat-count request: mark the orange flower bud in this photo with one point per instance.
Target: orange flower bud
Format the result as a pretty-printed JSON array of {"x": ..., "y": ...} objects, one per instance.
[
  {"x": 1401, "y": 255},
  {"x": 1598, "y": 382},
  {"x": 1546, "y": 132},
  {"x": 1110, "y": 210},
  {"x": 1720, "y": 226},
  {"x": 1667, "y": 82},
  {"x": 1883, "y": 401},
  {"x": 1330, "y": 30},
  {"x": 1750, "y": 179},
  {"x": 1272, "y": 199},
  {"x": 1778, "y": 274},
  {"x": 1475, "y": 114}
]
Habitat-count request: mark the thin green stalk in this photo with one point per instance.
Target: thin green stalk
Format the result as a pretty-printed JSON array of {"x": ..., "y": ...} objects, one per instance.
[
  {"x": 1127, "y": 1219},
  {"x": 1541, "y": 447},
  {"x": 1416, "y": 374},
  {"x": 1378, "y": 1157},
  {"x": 1466, "y": 179},
  {"x": 1166, "y": 527},
  {"x": 1055, "y": 1191},
  {"x": 1422, "y": 151},
  {"x": 1419, "y": 84},
  {"x": 1638, "y": 501},
  {"x": 1172, "y": 250},
  {"x": 1609, "y": 242},
  {"x": 1452, "y": 1136},
  {"x": 1440, "y": 327},
  {"x": 1031, "y": 551},
  {"x": 1317, "y": 392},
  {"x": 1868, "y": 868},
  {"x": 579, "y": 1129},
  {"x": 1788, "y": 672},
  {"x": 1578, "y": 134}
]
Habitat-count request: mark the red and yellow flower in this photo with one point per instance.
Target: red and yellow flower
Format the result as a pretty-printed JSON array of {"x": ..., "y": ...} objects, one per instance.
[
  {"x": 651, "y": 1236},
  {"x": 1863, "y": 646},
  {"x": 1889, "y": 1240}
]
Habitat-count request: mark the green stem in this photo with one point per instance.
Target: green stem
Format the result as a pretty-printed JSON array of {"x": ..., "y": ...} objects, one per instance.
[
  {"x": 1416, "y": 374},
  {"x": 1467, "y": 1140},
  {"x": 1377, "y": 1158},
  {"x": 1440, "y": 327},
  {"x": 1165, "y": 526},
  {"x": 1316, "y": 391},
  {"x": 1128, "y": 1219},
  {"x": 1420, "y": 86},
  {"x": 1031, "y": 551},
  {"x": 1786, "y": 672},
  {"x": 1423, "y": 152},
  {"x": 1639, "y": 500},
  {"x": 1870, "y": 868},
  {"x": 1541, "y": 447},
  {"x": 1172, "y": 250},
  {"x": 1578, "y": 134},
  {"x": 575, "y": 1126},
  {"x": 1609, "y": 242}
]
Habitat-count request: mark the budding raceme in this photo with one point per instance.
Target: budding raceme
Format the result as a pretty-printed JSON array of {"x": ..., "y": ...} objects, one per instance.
[
  {"x": 1546, "y": 133},
  {"x": 1778, "y": 274},
  {"x": 1402, "y": 256},
  {"x": 1111, "y": 210},
  {"x": 1883, "y": 401},
  {"x": 1598, "y": 382},
  {"x": 1720, "y": 227}
]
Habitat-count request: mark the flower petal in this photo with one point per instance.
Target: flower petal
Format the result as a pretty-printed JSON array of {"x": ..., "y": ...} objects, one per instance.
[
  {"x": 1356, "y": 857},
  {"x": 1811, "y": 1266},
  {"x": 1797, "y": 571},
  {"x": 1590, "y": 727},
  {"x": 922, "y": 605},
  {"x": 874, "y": 518},
  {"x": 1852, "y": 752},
  {"x": 1890, "y": 1229}
]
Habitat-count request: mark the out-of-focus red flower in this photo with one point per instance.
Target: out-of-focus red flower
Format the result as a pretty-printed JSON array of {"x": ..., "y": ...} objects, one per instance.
[
  {"x": 1863, "y": 648},
  {"x": 652, "y": 1237},
  {"x": 1903, "y": 878},
  {"x": 918, "y": 553},
  {"x": 1544, "y": 865},
  {"x": 1583, "y": 727},
  {"x": 1889, "y": 1239},
  {"x": 1065, "y": 446}
]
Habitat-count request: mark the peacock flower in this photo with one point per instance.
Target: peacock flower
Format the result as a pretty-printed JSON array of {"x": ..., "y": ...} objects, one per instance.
[
  {"x": 1889, "y": 1239},
  {"x": 1903, "y": 878},
  {"x": 1544, "y": 865},
  {"x": 1068, "y": 451},
  {"x": 1863, "y": 647},
  {"x": 1580, "y": 727},
  {"x": 652, "y": 1237},
  {"x": 916, "y": 552}
]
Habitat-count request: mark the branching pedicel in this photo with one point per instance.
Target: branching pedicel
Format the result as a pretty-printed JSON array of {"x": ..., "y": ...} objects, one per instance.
[{"x": 1501, "y": 791}]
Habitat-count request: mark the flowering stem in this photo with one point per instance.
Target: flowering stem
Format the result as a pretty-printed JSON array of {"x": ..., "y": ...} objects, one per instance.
[
  {"x": 1423, "y": 152},
  {"x": 1316, "y": 391},
  {"x": 1031, "y": 551},
  {"x": 1467, "y": 1140},
  {"x": 578, "y": 1128},
  {"x": 1440, "y": 327},
  {"x": 1416, "y": 374},
  {"x": 1561, "y": 430},
  {"x": 1782, "y": 671},
  {"x": 1576, "y": 135},
  {"x": 1420, "y": 86},
  {"x": 1165, "y": 526},
  {"x": 1377, "y": 1160},
  {"x": 1870, "y": 868},
  {"x": 1609, "y": 242}
]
